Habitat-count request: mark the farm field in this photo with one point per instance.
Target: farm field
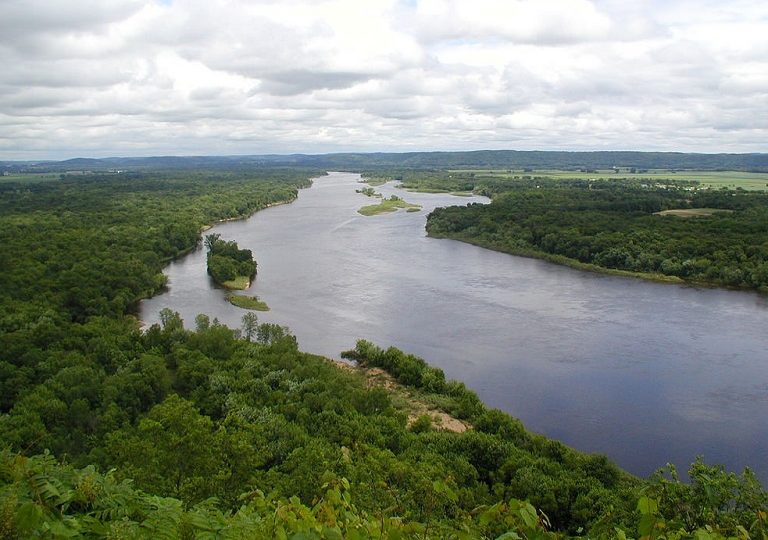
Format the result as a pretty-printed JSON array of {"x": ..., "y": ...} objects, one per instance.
[
  {"x": 28, "y": 177},
  {"x": 716, "y": 179}
]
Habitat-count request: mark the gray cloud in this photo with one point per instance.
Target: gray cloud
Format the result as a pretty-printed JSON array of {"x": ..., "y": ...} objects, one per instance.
[
  {"x": 25, "y": 17},
  {"x": 298, "y": 81}
]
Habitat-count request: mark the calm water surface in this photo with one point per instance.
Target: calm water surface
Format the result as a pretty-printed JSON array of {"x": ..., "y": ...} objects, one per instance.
[{"x": 646, "y": 373}]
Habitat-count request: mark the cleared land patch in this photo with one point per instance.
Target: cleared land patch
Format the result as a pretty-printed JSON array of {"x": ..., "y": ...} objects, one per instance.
[
  {"x": 414, "y": 403},
  {"x": 691, "y": 212}
]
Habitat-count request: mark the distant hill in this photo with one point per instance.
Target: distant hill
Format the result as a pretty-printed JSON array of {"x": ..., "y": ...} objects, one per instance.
[{"x": 507, "y": 159}]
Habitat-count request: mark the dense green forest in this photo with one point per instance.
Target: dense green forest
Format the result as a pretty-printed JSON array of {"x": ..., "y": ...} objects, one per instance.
[
  {"x": 211, "y": 432},
  {"x": 227, "y": 264},
  {"x": 662, "y": 230}
]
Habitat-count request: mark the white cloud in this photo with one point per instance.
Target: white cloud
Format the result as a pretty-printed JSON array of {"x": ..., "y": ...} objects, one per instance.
[
  {"x": 143, "y": 77},
  {"x": 521, "y": 21}
]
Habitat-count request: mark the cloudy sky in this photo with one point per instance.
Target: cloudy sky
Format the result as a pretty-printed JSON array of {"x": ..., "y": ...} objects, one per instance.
[{"x": 205, "y": 77}]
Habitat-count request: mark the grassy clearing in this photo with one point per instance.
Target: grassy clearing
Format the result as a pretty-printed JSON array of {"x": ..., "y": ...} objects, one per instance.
[
  {"x": 239, "y": 283},
  {"x": 691, "y": 212},
  {"x": 248, "y": 302},
  {"x": 731, "y": 179},
  {"x": 388, "y": 205},
  {"x": 714, "y": 179}
]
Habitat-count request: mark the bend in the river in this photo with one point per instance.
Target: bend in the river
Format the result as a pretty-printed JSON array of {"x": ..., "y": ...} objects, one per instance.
[{"x": 646, "y": 373}]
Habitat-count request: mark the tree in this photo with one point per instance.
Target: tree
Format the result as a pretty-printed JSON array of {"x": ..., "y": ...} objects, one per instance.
[
  {"x": 210, "y": 241},
  {"x": 202, "y": 322},
  {"x": 171, "y": 320},
  {"x": 250, "y": 325}
]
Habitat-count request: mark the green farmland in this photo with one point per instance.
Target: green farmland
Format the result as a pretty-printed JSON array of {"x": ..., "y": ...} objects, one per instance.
[{"x": 715, "y": 179}]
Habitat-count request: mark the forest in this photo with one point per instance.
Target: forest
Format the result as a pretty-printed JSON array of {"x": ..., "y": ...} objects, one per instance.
[
  {"x": 198, "y": 430},
  {"x": 668, "y": 230}
]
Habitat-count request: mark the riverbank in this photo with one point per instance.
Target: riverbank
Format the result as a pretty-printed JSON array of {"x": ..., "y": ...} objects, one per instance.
[
  {"x": 563, "y": 261},
  {"x": 209, "y": 226},
  {"x": 578, "y": 265}
]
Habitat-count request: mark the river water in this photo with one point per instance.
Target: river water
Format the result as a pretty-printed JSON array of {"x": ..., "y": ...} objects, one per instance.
[{"x": 643, "y": 372}]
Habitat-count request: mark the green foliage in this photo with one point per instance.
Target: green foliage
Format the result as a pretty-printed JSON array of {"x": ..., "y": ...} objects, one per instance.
[
  {"x": 410, "y": 370},
  {"x": 227, "y": 262},
  {"x": 612, "y": 225},
  {"x": 713, "y": 497},
  {"x": 40, "y": 498},
  {"x": 248, "y": 302}
]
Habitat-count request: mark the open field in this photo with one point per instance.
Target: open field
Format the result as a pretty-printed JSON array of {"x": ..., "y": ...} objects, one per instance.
[{"x": 715, "y": 179}]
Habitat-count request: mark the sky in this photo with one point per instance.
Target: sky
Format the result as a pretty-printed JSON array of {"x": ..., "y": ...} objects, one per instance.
[{"x": 97, "y": 78}]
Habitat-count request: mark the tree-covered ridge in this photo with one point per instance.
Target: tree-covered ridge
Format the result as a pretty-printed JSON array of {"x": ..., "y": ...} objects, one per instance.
[
  {"x": 419, "y": 160},
  {"x": 616, "y": 225},
  {"x": 227, "y": 263}
]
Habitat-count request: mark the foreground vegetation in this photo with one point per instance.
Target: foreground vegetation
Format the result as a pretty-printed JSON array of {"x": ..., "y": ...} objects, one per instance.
[{"x": 215, "y": 432}]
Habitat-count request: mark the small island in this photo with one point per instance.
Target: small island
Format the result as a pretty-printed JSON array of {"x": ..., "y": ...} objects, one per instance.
[
  {"x": 248, "y": 302},
  {"x": 369, "y": 192},
  {"x": 388, "y": 205},
  {"x": 228, "y": 265}
]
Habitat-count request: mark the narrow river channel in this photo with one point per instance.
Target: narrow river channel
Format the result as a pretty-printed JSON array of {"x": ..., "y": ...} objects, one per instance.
[{"x": 646, "y": 373}]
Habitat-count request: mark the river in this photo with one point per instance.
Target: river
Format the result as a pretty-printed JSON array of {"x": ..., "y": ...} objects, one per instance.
[{"x": 646, "y": 373}]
